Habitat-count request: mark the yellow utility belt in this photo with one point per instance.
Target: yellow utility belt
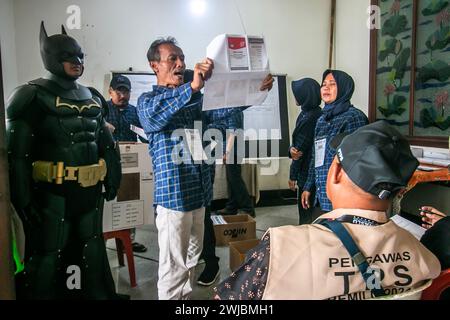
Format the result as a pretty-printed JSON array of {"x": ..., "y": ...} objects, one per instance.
[{"x": 86, "y": 176}]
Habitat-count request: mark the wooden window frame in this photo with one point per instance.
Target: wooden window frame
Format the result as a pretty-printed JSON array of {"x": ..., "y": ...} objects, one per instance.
[{"x": 437, "y": 142}]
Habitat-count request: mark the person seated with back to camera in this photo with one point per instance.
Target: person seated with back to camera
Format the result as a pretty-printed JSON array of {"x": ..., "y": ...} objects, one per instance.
[
  {"x": 437, "y": 236},
  {"x": 375, "y": 258}
]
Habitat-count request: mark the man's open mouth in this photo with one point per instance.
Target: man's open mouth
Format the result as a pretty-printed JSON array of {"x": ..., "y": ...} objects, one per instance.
[{"x": 179, "y": 74}]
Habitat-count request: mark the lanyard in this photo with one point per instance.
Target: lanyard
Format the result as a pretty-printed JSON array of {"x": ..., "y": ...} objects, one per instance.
[
  {"x": 355, "y": 220},
  {"x": 352, "y": 248}
]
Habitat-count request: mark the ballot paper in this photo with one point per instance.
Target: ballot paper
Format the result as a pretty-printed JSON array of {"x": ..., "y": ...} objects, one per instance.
[
  {"x": 139, "y": 131},
  {"x": 240, "y": 66},
  {"x": 217, "y": 220},
  {"x": 436, "y": 162},
  {"x": 416, "y": 230}
]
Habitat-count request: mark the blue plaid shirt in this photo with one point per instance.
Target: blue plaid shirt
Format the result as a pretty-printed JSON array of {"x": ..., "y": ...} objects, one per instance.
[
  {"x": 347, "y": 122},
  {"x": 184, "y": 186},
  {"x": 232, "y": 122},
  {"x": 121, "y": 119}
]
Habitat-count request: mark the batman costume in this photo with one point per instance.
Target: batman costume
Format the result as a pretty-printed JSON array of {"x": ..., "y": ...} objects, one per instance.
[{"x": 61, "y": 155}]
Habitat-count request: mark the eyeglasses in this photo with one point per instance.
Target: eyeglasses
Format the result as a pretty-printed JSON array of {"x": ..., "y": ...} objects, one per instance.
[{"x": 122, "y": 91}]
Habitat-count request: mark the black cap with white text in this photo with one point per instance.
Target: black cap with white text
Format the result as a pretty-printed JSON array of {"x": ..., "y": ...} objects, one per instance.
[{"x": 377, "y": 158}]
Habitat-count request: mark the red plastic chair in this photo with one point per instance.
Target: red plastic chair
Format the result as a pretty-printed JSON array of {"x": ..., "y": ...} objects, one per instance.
[
  {"x": 124, "y": 245},
  {"x": 438, "y": 286}
]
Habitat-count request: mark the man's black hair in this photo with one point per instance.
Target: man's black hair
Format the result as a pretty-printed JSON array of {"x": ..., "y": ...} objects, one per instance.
[{"x": 153, "y": 51}]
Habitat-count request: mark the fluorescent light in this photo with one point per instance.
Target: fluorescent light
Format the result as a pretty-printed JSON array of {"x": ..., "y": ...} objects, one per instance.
[{"x": 198, "y": 7}]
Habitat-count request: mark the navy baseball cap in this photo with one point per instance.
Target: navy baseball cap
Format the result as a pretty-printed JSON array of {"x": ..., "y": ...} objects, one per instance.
[
  {"x": 377, "y": 158},
  {"x": 120, "y": 81}
]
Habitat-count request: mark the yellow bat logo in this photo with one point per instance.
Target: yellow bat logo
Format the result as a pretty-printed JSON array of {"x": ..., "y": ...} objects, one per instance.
[{"x": 80, "y": 109}]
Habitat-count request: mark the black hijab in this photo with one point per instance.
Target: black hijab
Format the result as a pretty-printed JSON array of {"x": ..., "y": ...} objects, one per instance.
[
  {"x": 307, "y": 93},
  {"x": 345, "y": 89}
]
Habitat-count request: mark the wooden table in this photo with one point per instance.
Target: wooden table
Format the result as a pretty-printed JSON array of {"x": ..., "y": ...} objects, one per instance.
[{"x": 431, "y": 176}]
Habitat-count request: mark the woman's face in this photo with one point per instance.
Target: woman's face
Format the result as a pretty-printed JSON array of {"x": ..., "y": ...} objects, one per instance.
[{"x": 329, "y": 89}]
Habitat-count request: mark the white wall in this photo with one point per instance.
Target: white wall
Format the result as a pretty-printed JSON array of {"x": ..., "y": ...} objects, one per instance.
[
  {"x": 353, "y": 46},
  {"x": 8, "y": 45},
  {"x": 115, "y": 35}
]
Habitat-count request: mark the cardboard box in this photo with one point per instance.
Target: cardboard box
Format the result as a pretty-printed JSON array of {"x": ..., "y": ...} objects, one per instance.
[
  {"x": 238, "y": 251},
  {"x": 133, "y": 205},
  {"x": 235, "y": 228}
]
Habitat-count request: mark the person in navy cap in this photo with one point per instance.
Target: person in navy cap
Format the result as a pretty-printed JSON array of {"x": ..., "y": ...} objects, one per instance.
[{"x": 121, "y": 115}]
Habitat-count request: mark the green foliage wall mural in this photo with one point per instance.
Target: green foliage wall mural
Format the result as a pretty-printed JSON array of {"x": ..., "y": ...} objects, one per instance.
[
  {"x": 431, "y": 75},
  {"x": 433, "y": 68}
]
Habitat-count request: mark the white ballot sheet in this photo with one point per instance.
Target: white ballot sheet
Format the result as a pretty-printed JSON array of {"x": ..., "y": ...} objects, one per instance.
[
  {"x": 258, "y": 54},
  {"x": 416, "y": 230},
  {"x": 240, "y": 66},
  {"x": 139, "y": 131},
  {"x": 265, "y": 116},
  {"x": 217, "y": 220},
  {"x": 238, "y": 55}
]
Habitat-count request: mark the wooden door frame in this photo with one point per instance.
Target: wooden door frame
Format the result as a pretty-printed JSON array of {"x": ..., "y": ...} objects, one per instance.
[{"x": 7, "y": 289}]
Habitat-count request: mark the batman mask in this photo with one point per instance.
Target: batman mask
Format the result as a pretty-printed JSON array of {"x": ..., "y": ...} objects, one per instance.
[{"x": 60, "y": 48}]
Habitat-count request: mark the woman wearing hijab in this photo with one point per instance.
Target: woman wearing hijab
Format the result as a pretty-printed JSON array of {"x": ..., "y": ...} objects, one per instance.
[
  {"x": 307, "y": 95},
  {"x": 339, "y": 116}
]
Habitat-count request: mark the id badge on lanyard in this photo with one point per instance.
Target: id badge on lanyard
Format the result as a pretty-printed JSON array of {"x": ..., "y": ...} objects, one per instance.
[{"x": 319, "y": 147}]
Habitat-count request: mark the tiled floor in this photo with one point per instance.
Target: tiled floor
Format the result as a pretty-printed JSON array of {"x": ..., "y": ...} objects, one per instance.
[{"x": 146, "y": 264}]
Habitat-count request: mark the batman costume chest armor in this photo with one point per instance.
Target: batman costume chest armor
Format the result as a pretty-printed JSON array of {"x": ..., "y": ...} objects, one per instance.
[{"x": 67, "y": 130}]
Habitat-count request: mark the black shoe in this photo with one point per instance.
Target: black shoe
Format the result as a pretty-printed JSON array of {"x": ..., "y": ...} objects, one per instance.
[
  {"x": 209, "y": 275},
  {"x": 227, "y": 212},
  {"x": 121, "y": 297},
  {"x": 138, "y": 247}
]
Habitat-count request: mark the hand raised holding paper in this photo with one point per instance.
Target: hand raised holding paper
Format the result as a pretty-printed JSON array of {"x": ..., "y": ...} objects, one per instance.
[
  {"x": 267, "y": 83},
  {"x": 202, "y": 72}
]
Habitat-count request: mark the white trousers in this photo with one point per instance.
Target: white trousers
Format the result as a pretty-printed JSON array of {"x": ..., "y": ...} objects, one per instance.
[{"x": 180, "y": 240}]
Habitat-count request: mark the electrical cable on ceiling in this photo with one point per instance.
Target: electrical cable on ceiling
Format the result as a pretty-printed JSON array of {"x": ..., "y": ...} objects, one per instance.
[{"x": 240, "y": 17}]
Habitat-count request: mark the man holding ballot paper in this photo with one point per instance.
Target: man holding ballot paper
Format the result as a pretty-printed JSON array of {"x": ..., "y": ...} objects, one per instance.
[{"x": 182, "y": 186}]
